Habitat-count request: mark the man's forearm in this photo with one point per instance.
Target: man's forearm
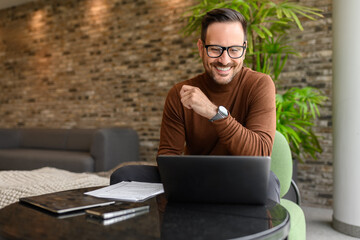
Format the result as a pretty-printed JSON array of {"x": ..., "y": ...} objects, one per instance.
[{"x": 240, "y": 140}]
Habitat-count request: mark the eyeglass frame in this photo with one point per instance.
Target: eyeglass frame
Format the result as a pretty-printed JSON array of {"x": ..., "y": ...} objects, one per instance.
[{"x": 225, "y": 48}]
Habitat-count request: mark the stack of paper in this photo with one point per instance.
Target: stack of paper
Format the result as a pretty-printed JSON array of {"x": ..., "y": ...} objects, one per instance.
[{"x": 129, "y": 191}]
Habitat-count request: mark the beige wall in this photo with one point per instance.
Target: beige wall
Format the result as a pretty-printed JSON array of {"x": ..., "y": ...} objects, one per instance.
[{"x": 96, "y": 63}]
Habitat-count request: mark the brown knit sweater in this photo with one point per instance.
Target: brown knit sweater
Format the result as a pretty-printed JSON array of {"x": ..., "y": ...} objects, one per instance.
[{"x": 248, "y": 130}]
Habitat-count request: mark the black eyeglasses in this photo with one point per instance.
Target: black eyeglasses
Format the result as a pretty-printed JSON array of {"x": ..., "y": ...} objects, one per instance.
[{"x": 215, "y": 51}]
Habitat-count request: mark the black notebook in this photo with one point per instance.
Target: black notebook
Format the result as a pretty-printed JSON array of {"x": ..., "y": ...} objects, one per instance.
[{"x": 66, "y": 201}]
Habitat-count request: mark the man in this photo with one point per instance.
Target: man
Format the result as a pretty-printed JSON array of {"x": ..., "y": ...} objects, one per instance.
[
  {"x": 229, "y": 109},
  {"x": 246, "y": 122}
]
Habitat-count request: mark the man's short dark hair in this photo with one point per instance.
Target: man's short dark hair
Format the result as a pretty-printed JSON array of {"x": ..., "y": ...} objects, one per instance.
[{"x": 221, "y": 15}]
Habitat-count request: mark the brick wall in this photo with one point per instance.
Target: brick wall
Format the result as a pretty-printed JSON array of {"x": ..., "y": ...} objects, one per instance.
[
  {"x": 98, "y": 63},
  {"x": 314, "y": 68},
  {"x": 95, "y": 63}
]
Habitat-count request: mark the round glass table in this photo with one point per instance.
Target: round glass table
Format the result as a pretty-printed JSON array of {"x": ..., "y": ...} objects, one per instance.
[{"x": 178, "y": 221}]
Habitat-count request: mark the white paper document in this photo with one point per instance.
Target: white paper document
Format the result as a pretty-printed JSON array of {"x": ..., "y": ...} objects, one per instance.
[{"x": 129, "y": 191}]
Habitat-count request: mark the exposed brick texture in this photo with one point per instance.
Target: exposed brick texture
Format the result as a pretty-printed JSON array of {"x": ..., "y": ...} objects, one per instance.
[
  {"x": 98, "y": 63},
  {"x": 95, "y": 63},
  {"x": 314, "y": 68}
]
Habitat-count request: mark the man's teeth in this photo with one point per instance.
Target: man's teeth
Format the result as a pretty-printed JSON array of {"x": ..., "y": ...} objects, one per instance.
[{"x": 223, "y": 68}]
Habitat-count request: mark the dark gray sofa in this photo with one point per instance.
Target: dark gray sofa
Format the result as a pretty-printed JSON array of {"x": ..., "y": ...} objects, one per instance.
[{"x": 76, "y": 150}]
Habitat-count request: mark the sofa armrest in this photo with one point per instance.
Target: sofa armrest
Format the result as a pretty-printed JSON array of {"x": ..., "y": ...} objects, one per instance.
[
  {"x": 9, "y": 138},
  {"x": 112, "y": 146}
]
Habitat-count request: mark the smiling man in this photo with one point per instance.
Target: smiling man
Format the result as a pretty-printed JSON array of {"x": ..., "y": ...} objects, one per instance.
[{"x": 227, "y": 110}]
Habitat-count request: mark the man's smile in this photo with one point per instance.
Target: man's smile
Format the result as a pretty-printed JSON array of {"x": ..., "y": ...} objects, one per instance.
[{"x": 223, "y": 70}]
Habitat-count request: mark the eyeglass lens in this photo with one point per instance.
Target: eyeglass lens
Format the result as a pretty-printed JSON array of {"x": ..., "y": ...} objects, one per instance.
[{"x": 217, "y": 51}]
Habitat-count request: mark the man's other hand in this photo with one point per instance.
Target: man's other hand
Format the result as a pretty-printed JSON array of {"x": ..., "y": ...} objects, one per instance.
[{"x": 193, "y": 98}]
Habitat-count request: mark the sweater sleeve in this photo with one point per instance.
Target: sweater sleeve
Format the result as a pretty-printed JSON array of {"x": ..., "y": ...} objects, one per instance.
[
  {"x": 172, "y": 133},
  {"x": 255, "y": 137}
]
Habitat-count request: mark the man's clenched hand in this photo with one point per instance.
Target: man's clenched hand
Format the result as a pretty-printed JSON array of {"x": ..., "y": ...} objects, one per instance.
[{"x": 193, "y": 98}]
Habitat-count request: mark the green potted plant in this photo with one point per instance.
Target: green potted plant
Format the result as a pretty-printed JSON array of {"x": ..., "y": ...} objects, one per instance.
[{"x": 268, "y": 50}]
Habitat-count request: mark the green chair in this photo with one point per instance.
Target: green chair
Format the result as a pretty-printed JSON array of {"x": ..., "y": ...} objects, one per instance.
[{"x": 281, "y": 165}]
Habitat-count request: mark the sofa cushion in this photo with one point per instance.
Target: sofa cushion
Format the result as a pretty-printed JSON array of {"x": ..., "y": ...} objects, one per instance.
[
  {"x": 43, "y": 138},
  {"x": 28, "y": 159}
]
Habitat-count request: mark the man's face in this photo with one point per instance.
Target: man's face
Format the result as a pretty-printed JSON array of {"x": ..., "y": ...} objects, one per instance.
[{"x": 222, "y": 69}]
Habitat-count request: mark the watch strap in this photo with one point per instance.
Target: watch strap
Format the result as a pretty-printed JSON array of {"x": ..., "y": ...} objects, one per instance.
[{"x": 221, "y": 113}]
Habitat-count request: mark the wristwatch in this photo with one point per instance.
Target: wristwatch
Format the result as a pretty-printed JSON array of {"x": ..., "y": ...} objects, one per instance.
[{"x": 221, "y": 113}]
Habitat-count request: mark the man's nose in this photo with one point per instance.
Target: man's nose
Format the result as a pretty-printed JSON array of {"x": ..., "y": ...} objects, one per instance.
[{"x": 225, "y": 58}]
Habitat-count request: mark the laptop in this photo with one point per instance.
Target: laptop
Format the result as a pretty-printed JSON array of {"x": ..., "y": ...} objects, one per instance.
[
  {"x": 66, "y": 201},
  {"x": 215, "y": 179}
]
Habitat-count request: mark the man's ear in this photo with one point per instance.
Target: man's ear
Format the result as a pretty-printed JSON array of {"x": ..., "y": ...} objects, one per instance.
[{"x": 200, "y": 46}]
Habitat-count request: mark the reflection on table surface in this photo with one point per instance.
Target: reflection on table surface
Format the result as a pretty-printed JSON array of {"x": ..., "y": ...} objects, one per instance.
[{"x": 215, "y": 221}]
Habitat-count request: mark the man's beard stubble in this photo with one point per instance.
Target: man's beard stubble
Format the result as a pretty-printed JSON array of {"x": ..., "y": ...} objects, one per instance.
[{"x": 214, "y": 78}]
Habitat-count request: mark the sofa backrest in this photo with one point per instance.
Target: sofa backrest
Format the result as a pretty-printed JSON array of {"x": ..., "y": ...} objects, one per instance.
[
  {"x": 80, "y": 139},
  {"x": 43, "y": 138},
  {"x": 56, "y": 139},
  {"x": 9, "y": 138}
]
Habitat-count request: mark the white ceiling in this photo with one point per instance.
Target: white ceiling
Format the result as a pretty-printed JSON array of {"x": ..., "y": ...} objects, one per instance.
[{"x": 11, "y": 3}]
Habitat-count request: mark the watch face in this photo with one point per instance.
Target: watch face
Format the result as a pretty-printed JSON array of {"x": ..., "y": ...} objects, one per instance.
[{"x": 223, "y": 111}]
